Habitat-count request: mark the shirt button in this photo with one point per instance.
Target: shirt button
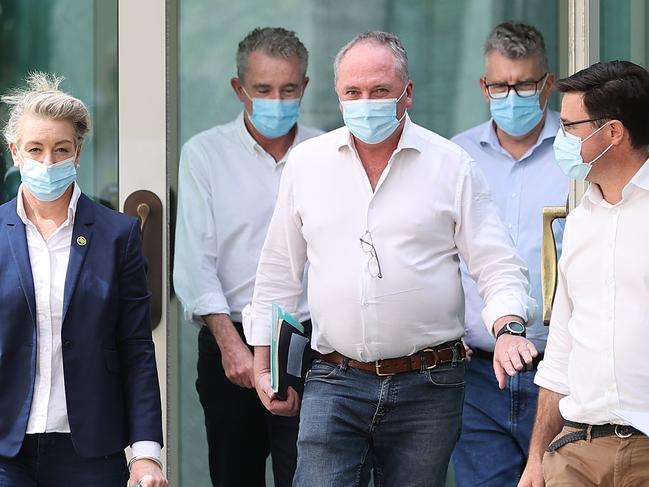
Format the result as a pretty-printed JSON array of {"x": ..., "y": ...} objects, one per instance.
[{"x": 513, "y": 195}]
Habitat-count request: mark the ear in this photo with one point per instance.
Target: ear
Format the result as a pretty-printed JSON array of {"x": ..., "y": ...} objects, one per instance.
[
  {"x": 13, "y": 148},
  {"x": 304, "y": 83},
  {"x": 617, "y": 132},
  {"x": 483, "y": 87},
  {"x": 547, "y": 89},
  {"x": 549, "y": 82},
  {"x": 237, "y": 86},
  {"x": 409, "y": 90},
  {"x": 77, "y": 156}
]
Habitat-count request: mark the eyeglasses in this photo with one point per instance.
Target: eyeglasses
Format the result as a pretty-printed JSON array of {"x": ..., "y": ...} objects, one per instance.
[
  {"x": 565, "y": 125},
  {"x": 368, "y": 246},
  {"x": 524, "y": 89}
]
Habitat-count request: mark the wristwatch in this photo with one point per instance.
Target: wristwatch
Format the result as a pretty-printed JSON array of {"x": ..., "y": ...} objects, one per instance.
[{"x": 512, "y": 328}]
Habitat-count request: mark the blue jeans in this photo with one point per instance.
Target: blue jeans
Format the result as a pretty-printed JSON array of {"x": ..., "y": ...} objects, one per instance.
[
  {"x": 496, "y": 427},
  {"x": 403, "y": 426},
  {"x": 49, "y": 460}
]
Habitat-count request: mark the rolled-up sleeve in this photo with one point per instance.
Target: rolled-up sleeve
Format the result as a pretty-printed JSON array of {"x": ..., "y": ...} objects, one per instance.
[
  {"x": 282, "y": 262},
  {"x": 552, "y": 372},
  {"x": 196, "y": 281},
  {"x": 486, "y": 247}
]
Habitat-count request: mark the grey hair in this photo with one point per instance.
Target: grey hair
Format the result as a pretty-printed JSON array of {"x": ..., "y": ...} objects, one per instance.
[
  {"x": 381, "y": 38},
  {"x": 42, "y": 97},
  {"x": 516, "y": 40},
  {"x": 273, "y": 41}
]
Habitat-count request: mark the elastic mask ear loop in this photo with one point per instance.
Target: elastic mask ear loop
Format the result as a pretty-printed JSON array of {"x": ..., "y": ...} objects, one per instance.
[
  {"x": 401, "y": 96},
  {"x": 541, "y": 90},
  {"x": 605, "y": 150}
]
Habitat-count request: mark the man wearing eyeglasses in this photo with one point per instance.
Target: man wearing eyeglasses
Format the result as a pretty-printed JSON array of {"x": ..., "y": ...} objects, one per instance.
[
  {"x": 383, "y": 208},
  {"x": 514, "y": 150},
  {"x": 594, "y": 378}
]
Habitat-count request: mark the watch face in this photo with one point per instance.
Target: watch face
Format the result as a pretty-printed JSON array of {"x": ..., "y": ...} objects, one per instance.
[{"x": 516, "y": 327}]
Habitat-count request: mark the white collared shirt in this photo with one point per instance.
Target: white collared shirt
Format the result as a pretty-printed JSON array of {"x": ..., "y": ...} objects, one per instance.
[
  {"x": 596, "y": 353},
  {"x": 430, "y": 205},
  {"x": 49, "y": 263},
  {"x": 227, "y": 190}
]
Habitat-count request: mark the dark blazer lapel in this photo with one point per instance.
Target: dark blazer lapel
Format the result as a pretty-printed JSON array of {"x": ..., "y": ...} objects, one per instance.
[
  {"x": 81, "y": 241},
  {"x": 19, "y": 251}
]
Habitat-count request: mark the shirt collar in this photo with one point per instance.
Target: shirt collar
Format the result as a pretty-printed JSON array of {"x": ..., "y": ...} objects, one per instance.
[
  {"x": 549, "y": 131},
  {"x": 253, "y": 146},
  {"x": 72, "y": 207},
  {"x": 593, "y": 194},
  {"x": 410, "y": 138},
  {"x": 641, "y": 178}
]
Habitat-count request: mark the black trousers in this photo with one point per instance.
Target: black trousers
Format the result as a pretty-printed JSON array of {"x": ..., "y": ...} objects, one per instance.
[
  {"x": 49, "y": 460},
  {"x": 240, "y": 431}
]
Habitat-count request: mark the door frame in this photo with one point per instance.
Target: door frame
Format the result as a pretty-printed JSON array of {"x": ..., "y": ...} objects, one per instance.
[
  {"x": 583, "y": 42},
  {"x": 147, "y": 148}
]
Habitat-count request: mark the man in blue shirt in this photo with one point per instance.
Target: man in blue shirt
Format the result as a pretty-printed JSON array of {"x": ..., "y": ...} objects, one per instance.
[{"x": 514, "y": 150}]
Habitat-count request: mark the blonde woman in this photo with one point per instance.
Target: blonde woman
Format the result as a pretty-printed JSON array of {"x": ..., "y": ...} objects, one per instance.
[{"x": 78, "y": 379}]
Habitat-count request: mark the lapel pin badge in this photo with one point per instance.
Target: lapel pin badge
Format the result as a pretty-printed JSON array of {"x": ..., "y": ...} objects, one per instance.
[{"x": 81, "y": 241}]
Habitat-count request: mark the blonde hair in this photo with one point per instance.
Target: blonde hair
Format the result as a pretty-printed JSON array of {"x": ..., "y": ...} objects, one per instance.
[{"x": 42, "y": 97}]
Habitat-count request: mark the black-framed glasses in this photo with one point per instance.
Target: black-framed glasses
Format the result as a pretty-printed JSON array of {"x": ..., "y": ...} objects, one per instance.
[
  {"x": 524, "y": 89},
  {"x": 373, "y": 265},
  {"x": 565, "y": 125}
]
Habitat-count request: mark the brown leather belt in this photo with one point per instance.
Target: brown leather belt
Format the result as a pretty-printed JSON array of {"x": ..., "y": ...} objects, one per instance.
[{"x": 428, "y": 358}]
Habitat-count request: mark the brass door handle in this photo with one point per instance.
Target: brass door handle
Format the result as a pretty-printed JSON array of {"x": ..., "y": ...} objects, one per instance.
[
  {"x": 146, "y": 206},
  {"x": 143, "y": 211},
  {"x": 549, "y": 259}
]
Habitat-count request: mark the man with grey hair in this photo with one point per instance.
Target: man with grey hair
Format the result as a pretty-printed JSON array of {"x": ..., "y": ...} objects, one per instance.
[
  {"x": 383, "y": 208},
  {"x": 514, "y": 150},
  {"x": 228, "y": 180}
]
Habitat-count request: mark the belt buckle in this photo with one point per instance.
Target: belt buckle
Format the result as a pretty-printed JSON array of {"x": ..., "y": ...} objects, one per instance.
[
  {"x": 618, "y": 431},
  {"x": 435, "y": 362},
  {"x": 377, "y": 366}
]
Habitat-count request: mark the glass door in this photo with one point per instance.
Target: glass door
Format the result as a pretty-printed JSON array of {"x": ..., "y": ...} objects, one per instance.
[
  {"x": 85, "y": 53},
  {"x": 113, "y": 55},
  {"x": 444, "y": 39}
]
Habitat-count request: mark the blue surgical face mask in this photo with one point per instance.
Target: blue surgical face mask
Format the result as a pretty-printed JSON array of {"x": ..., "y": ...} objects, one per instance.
[
  {"x": 567, "y": 152},
  {"x": 372, "y": 120},
  {"x": 48, "y": 183},
  {"x": 273, "y": 118},
  {"x": 518, "y": 115}
]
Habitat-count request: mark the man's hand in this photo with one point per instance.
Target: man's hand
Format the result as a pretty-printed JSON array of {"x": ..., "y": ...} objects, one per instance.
[
  {"x": 147, "y": 473},
  {"x": 468, "y": 350},
  {"x": 236, "y": 357},
  {"x": 547, "y": 425},
  {"x": 511, "y": 352},
  {"x": 288, "y": 407},
  {"x": 510, "y": 356},
  {"x": 532, "y": 475}
]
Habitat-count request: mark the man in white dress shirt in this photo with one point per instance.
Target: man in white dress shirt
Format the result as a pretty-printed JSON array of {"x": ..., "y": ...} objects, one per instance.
[
  {"x": 382, "y": 209},
  {"x": 595, "y": 360},
  {"x": 228, "y": 182}
]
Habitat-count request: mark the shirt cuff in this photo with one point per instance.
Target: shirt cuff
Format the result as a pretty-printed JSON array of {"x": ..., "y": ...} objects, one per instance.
[
  {"x": 258, "y": 333},
  {"x": 546, "y": 378},
  {"x": 146, "y": 449},
  {"x": 207, "y": 304},
  {"x": 502, "y": 307}
]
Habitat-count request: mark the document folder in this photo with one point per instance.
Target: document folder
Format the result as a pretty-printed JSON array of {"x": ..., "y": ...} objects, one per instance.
[{"x": 290, "y": 352}]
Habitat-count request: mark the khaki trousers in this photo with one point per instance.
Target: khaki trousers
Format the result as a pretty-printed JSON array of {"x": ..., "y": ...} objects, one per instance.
[{"x": 603, "y": 462}]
